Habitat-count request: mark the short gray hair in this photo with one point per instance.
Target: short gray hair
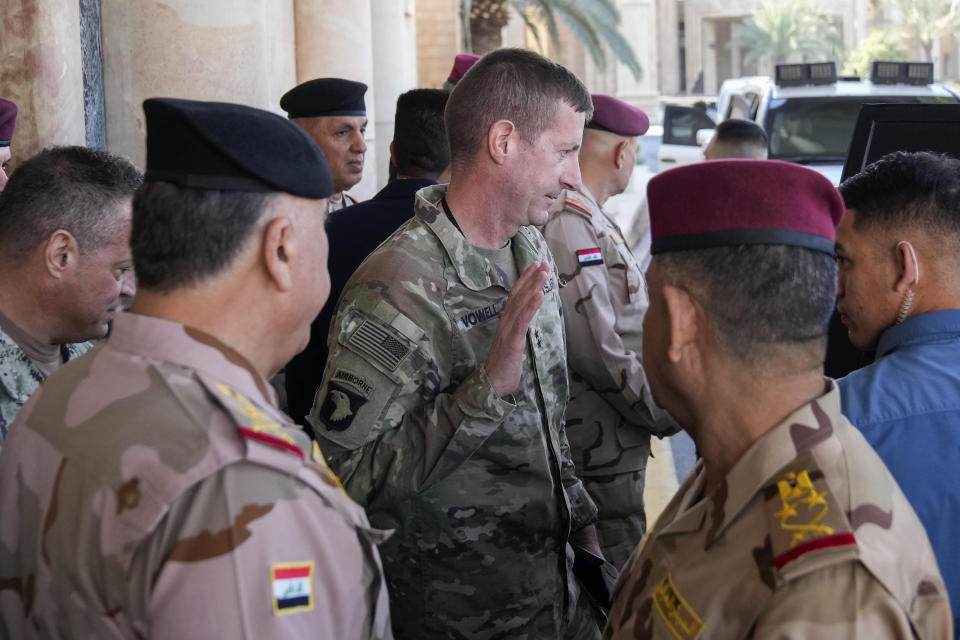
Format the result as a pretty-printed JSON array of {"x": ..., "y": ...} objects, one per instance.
[{"x": 71, "y": 188}]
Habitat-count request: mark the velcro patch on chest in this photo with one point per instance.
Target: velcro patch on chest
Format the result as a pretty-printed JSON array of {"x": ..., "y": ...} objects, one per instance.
[
  {"x": 589, "y": 257},
  {"x": 677, "y": 615},
  {"x": 292, "y": 587}
]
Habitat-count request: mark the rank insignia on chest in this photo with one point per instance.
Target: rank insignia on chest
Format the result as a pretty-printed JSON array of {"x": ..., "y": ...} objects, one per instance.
[
  {"x": 292, "y": 586},
  {"x": 677, "y": 615},
  {"x": 589, "y": 257}
]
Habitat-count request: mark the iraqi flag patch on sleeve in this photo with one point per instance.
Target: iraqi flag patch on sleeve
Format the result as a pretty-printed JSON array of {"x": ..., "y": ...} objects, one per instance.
[
  {"x": 292, "y": 585},
  {"x": 589, "y": 257}
]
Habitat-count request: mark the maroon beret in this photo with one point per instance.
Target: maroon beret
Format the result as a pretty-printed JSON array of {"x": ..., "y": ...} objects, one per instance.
[
  {"x": 461, "y": 64},
  {"x": 8, "y": 119},
  {"x": 615, "y": 115},
  {"x": 722, "y": 203}
]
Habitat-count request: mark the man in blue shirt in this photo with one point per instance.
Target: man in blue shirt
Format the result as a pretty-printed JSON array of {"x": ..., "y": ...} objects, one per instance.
[{"x": 898, "y": 252}]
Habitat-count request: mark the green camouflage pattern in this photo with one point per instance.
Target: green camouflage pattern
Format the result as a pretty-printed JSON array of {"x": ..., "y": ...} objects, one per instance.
[
  {"x": 611, "y": 414},
  {"x": 808, "y": 536},
  {"x": 480, "y": 488},
  {"x": 151, "y": 488},
  {"x": 20, "y": 377}
]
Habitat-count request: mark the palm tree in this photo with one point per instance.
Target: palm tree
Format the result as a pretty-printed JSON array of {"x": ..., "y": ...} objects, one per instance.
[
  {"x": 927, "y": 20},
  {"x": 594, "y": 22},
  {"x": 783, "y": 27}
]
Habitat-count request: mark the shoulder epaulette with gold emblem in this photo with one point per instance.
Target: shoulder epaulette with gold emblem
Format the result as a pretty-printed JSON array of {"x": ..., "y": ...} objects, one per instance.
[
  {"x": 808, "y": 528},
  {"x": 252, "y": 422}
]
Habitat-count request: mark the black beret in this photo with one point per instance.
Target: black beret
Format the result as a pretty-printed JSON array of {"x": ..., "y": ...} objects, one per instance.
[
  {"x": 216, "y": 145},
  {"x": 325, "y": 97}
]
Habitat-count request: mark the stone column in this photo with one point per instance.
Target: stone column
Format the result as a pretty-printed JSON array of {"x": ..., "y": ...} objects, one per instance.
[
  {"x": 334, "y": 39},
  {"x": 42, "y": 71},
  {"x": 639, "y": 27},
  {"x": 228, "y": 50},
  {"x": 394, "y": 70}
]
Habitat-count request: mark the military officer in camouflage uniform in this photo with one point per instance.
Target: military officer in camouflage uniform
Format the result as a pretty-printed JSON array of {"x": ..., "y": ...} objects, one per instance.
[
  {"x": 151, "y": 488},
  {"x": 789, "y": 526},
  {"x": 65, "y": 264},
  {"x": 441, "y": 406},
  {"x": 611, "y": 413}
]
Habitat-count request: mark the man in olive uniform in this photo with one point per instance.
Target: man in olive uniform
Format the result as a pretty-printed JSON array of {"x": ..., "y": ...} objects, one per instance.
[
  {"x": 8, "y": 121},
  {"x": 611, "y": 413},
  {"x": 789, "y": 526},
  {"x": 151, "y": 488},
  {"x": 333, "y": 112},
  {"x": 442, "y": 402}
]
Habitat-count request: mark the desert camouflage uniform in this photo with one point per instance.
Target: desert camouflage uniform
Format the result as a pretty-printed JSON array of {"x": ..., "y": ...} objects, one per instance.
[
  {"x": 480, "y": 488},
  {"x": 20, "y": 377},
  {"x": 808, "y": 537},
  {"x": 611, "y": 412},
  {"x": 151, "y": 489}
]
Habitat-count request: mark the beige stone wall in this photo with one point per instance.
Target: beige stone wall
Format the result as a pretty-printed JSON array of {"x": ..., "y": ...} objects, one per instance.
[
  {"x": 41, "y": 71},
  {"x": 438, "y": 40},
  {"x": 225, "y": 50},
  {"x": 243, "y": 51}
]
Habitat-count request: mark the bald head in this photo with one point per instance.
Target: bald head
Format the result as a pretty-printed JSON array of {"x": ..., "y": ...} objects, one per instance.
[{"x": 606, "y": 162}]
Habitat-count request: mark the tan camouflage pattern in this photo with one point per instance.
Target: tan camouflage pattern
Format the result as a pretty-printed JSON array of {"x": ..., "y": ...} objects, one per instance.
[
  {"x": 480, "y": 489},
  {"x": 20, "y": 377},
  {"x": 150, "y": 489},
  {"x": 808, "y": 536},
  {"x": 611, "y": 412}
]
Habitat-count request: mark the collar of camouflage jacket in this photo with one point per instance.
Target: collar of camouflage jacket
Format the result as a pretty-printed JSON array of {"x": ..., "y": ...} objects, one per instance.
[
  {"x": 179, "y": 344},
  {"x": 19, "y": 376},
  {"x": 473, "y": 269},
  {"x": 808, "y": 427}
]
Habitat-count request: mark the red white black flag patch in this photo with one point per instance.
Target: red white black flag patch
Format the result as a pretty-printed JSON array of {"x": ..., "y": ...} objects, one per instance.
[
  {"x": 589, "y": 257},
  {"x": 292, "y": 586}
]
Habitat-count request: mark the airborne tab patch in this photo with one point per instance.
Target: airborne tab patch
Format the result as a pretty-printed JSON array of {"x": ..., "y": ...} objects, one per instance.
[
  {"x": 589, "y": 257},
  {"x": 292, "y": 586}
]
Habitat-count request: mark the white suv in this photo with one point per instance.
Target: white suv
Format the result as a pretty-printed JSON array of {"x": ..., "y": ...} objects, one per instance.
[{"x": 808, "y": 113}]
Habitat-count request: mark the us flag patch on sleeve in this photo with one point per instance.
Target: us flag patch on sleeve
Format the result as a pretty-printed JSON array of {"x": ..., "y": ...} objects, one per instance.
[
  {"x": 589, "y": 257},
  {"x": 292, "y": 587}
]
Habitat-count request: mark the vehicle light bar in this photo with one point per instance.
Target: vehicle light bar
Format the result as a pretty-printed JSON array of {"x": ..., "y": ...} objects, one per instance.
[
  {"x": 882, "y": 72},
  {"x": 797, "y": 75}
]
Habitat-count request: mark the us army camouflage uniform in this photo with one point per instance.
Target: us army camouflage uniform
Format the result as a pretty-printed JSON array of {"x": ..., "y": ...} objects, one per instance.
[
  {"x": 480, "y": 488},
  {"x": 151, "y": 489},
  {"x": 808, "y": 537},
  {"x": 20, "y": 377},
  {"x": 611, "y": 412}
]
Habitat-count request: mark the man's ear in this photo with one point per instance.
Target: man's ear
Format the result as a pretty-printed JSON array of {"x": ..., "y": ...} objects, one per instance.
[
  {"x": 393, "y": 156},
  {"x": 620, "y": 153},
  {"x": 908, "y": 267},
  {"x": 279, "y": 252},
  {"x": 499, "y": 138},
  {"x": 60, "y": 253},
  {"x": 682, "y": 316}
]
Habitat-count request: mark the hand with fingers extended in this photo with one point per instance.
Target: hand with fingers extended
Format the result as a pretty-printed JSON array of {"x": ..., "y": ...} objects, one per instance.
[{"x": 505, "y": 362}]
